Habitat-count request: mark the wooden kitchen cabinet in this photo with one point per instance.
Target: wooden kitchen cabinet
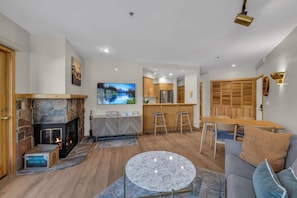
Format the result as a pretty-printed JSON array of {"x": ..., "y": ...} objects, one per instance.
[
  {"x": 148, "y": 87},
  {"x": 166, "y": 86}
]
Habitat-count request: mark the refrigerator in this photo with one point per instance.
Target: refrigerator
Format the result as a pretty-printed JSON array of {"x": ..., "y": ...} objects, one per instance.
[{"x": 166, "y": 96}]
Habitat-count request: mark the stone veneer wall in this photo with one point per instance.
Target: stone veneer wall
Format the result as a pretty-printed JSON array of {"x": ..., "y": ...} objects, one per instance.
[
  {"x": 44, "y": 111},
  {"x": 24, "y": 130}
]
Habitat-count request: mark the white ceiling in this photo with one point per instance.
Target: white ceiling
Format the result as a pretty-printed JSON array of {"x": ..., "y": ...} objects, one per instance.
[{"x": 178, "y": 32}]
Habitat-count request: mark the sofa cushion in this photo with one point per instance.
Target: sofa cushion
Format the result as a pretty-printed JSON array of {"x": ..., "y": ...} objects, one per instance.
[
  {"x": 259, "y": 144},
  {"x": 294, "y": 166},
  {"x": 291, "y": 156},
  {"x": 288, "y": 180},
  {"x": 236, "y": 166},
  {"x": 266, "y": 183},
  {"x": 239, "y": 187}
]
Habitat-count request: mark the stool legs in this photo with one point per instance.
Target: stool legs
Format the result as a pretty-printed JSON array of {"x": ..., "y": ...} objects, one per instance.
[
  {"x": 163, "y": 120},
  {"x": 179, "y": 120},
  {"x": 189, "y": 121},
  {"x": 159, "y": 121}
]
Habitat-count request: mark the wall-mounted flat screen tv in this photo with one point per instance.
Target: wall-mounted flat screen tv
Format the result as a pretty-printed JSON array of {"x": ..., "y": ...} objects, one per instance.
[{"x": 116, "y": 93}]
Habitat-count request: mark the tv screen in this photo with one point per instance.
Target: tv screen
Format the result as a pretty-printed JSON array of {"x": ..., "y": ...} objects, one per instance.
[{"x": 116, "y": 93}]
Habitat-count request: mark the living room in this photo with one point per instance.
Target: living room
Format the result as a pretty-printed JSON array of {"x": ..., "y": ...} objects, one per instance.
[{"x": 35, "y": 71}]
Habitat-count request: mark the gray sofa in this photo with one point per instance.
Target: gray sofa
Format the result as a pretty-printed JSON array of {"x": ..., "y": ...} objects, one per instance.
[{"x": 239, "y": 174}]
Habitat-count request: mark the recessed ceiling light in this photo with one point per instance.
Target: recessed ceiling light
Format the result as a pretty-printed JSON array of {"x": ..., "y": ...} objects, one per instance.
[
  {"x": 155, "y": 73},
  {"x": 170, "y": 74},
  {"x": 105, "y": 50},
  {"x": 233, "y": 65}
]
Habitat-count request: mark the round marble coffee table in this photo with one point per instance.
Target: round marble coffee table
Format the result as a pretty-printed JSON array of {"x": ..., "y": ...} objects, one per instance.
[{"x": 160, "y": 171}]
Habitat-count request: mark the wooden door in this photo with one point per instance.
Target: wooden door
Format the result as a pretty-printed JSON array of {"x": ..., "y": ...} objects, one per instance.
[
  {"x": 201, "y": 96},
  {"x": 181, "y": 94},
  {"x": 7, "y": 113},
  {"x": 3, "y": 115}
]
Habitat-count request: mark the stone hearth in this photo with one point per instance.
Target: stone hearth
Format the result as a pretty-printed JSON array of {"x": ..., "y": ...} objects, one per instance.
[{"x": 34, "y": 110}]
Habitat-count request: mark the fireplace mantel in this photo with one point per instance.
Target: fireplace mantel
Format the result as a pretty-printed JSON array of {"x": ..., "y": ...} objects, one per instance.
[{"x": 51, "y": 96}]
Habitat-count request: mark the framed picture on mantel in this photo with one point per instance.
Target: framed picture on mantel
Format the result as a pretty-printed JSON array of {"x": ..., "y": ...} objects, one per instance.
[{"x": 76, "y": 72}]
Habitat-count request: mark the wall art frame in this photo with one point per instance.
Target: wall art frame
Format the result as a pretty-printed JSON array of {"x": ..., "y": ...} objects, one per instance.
[{"x": 75, "y": 71}]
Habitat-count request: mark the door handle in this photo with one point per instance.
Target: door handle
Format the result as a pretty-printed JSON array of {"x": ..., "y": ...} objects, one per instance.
[{"x": 4, "y": 118}]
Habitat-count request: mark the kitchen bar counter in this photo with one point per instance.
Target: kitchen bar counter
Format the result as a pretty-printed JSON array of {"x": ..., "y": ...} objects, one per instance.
[{"x": 169, "y": 110}]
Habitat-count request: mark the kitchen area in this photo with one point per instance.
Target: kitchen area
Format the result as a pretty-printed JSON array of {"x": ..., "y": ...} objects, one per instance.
[{"x": 167, "y": 95}]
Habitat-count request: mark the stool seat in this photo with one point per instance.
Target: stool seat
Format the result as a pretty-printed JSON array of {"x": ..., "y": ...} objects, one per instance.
[
  {"x": 159, "y": 121},
  {"x": 183, "y": 119}
]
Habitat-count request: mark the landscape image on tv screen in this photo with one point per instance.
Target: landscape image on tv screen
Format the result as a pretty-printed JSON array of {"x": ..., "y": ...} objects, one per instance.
[{"x": 116, "y": 93}]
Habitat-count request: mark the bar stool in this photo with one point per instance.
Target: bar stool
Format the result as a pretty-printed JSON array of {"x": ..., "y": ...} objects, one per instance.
[
  {"x": 159, "y": 121},
  {"x": 182, "y": 119}
]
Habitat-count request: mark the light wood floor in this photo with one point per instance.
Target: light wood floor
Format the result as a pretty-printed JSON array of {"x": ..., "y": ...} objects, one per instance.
[{"x": 103, "y": 166}]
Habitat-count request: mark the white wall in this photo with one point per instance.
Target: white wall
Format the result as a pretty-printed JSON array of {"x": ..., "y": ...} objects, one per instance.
[
  {"x": 232, "y": 73},
  {"x": 104, "y": 71},
  {"x": 47, "y": 65},
  {"x": 70, "y": 88},
  {"x": 281, "y": 104},
  {"x": 15, "y": 37},
  {"x": 205, "y": 94},
  {"x": 192, "y": 93}
]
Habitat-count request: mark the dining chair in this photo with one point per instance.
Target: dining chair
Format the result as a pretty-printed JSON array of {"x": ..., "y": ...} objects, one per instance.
[
  {"x": 221, "y": 132},
  {"x": 213, "y": 124},
  {"x": 266, "y": 128},
  {"x": 240, "y": 128},
  {"x": 209, "y": 125},
  {"x": 240, "y": 132}
]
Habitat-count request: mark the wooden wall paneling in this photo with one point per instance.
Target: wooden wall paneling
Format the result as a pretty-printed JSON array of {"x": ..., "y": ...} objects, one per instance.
[
  {"x": 169, "y": 113},
  {"x": 236, "y": 94},
  {"x": 148, "y": 117},
  {"x": 235, "y": 98},
  {"x": 226, "y": 93},
  {"x": 247, "y": 93},
  {"x": 216, "y": 93},
  {"x": 247, "y": 111}
]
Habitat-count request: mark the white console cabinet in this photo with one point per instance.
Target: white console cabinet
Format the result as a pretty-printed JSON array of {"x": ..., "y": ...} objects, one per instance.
[{"x": 104, "y": 126}]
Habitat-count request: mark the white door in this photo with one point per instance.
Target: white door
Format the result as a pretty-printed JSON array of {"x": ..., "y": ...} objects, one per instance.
[{"x": 259, "y": 99}]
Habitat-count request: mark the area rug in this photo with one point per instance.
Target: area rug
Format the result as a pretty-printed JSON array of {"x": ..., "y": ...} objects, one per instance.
[
  {"x": 111, "y": 143},
  {"x": 207, "y": 183}
]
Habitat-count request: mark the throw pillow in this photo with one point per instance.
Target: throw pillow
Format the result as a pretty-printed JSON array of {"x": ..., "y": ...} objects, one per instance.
[
  {"x": 266, "y": 184},
  {"x": 288, "y": 180},
  {"x": 259, "y": 144}
]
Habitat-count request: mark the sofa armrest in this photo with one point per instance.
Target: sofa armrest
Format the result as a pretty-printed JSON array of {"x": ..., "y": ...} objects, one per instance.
[{"x": 233, "y": 147}]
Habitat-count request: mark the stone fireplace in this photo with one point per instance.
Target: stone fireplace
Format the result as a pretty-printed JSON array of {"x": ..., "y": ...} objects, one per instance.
[
  {"x": 48, "y": 119},
  {"x": 63, "y": 135}
]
